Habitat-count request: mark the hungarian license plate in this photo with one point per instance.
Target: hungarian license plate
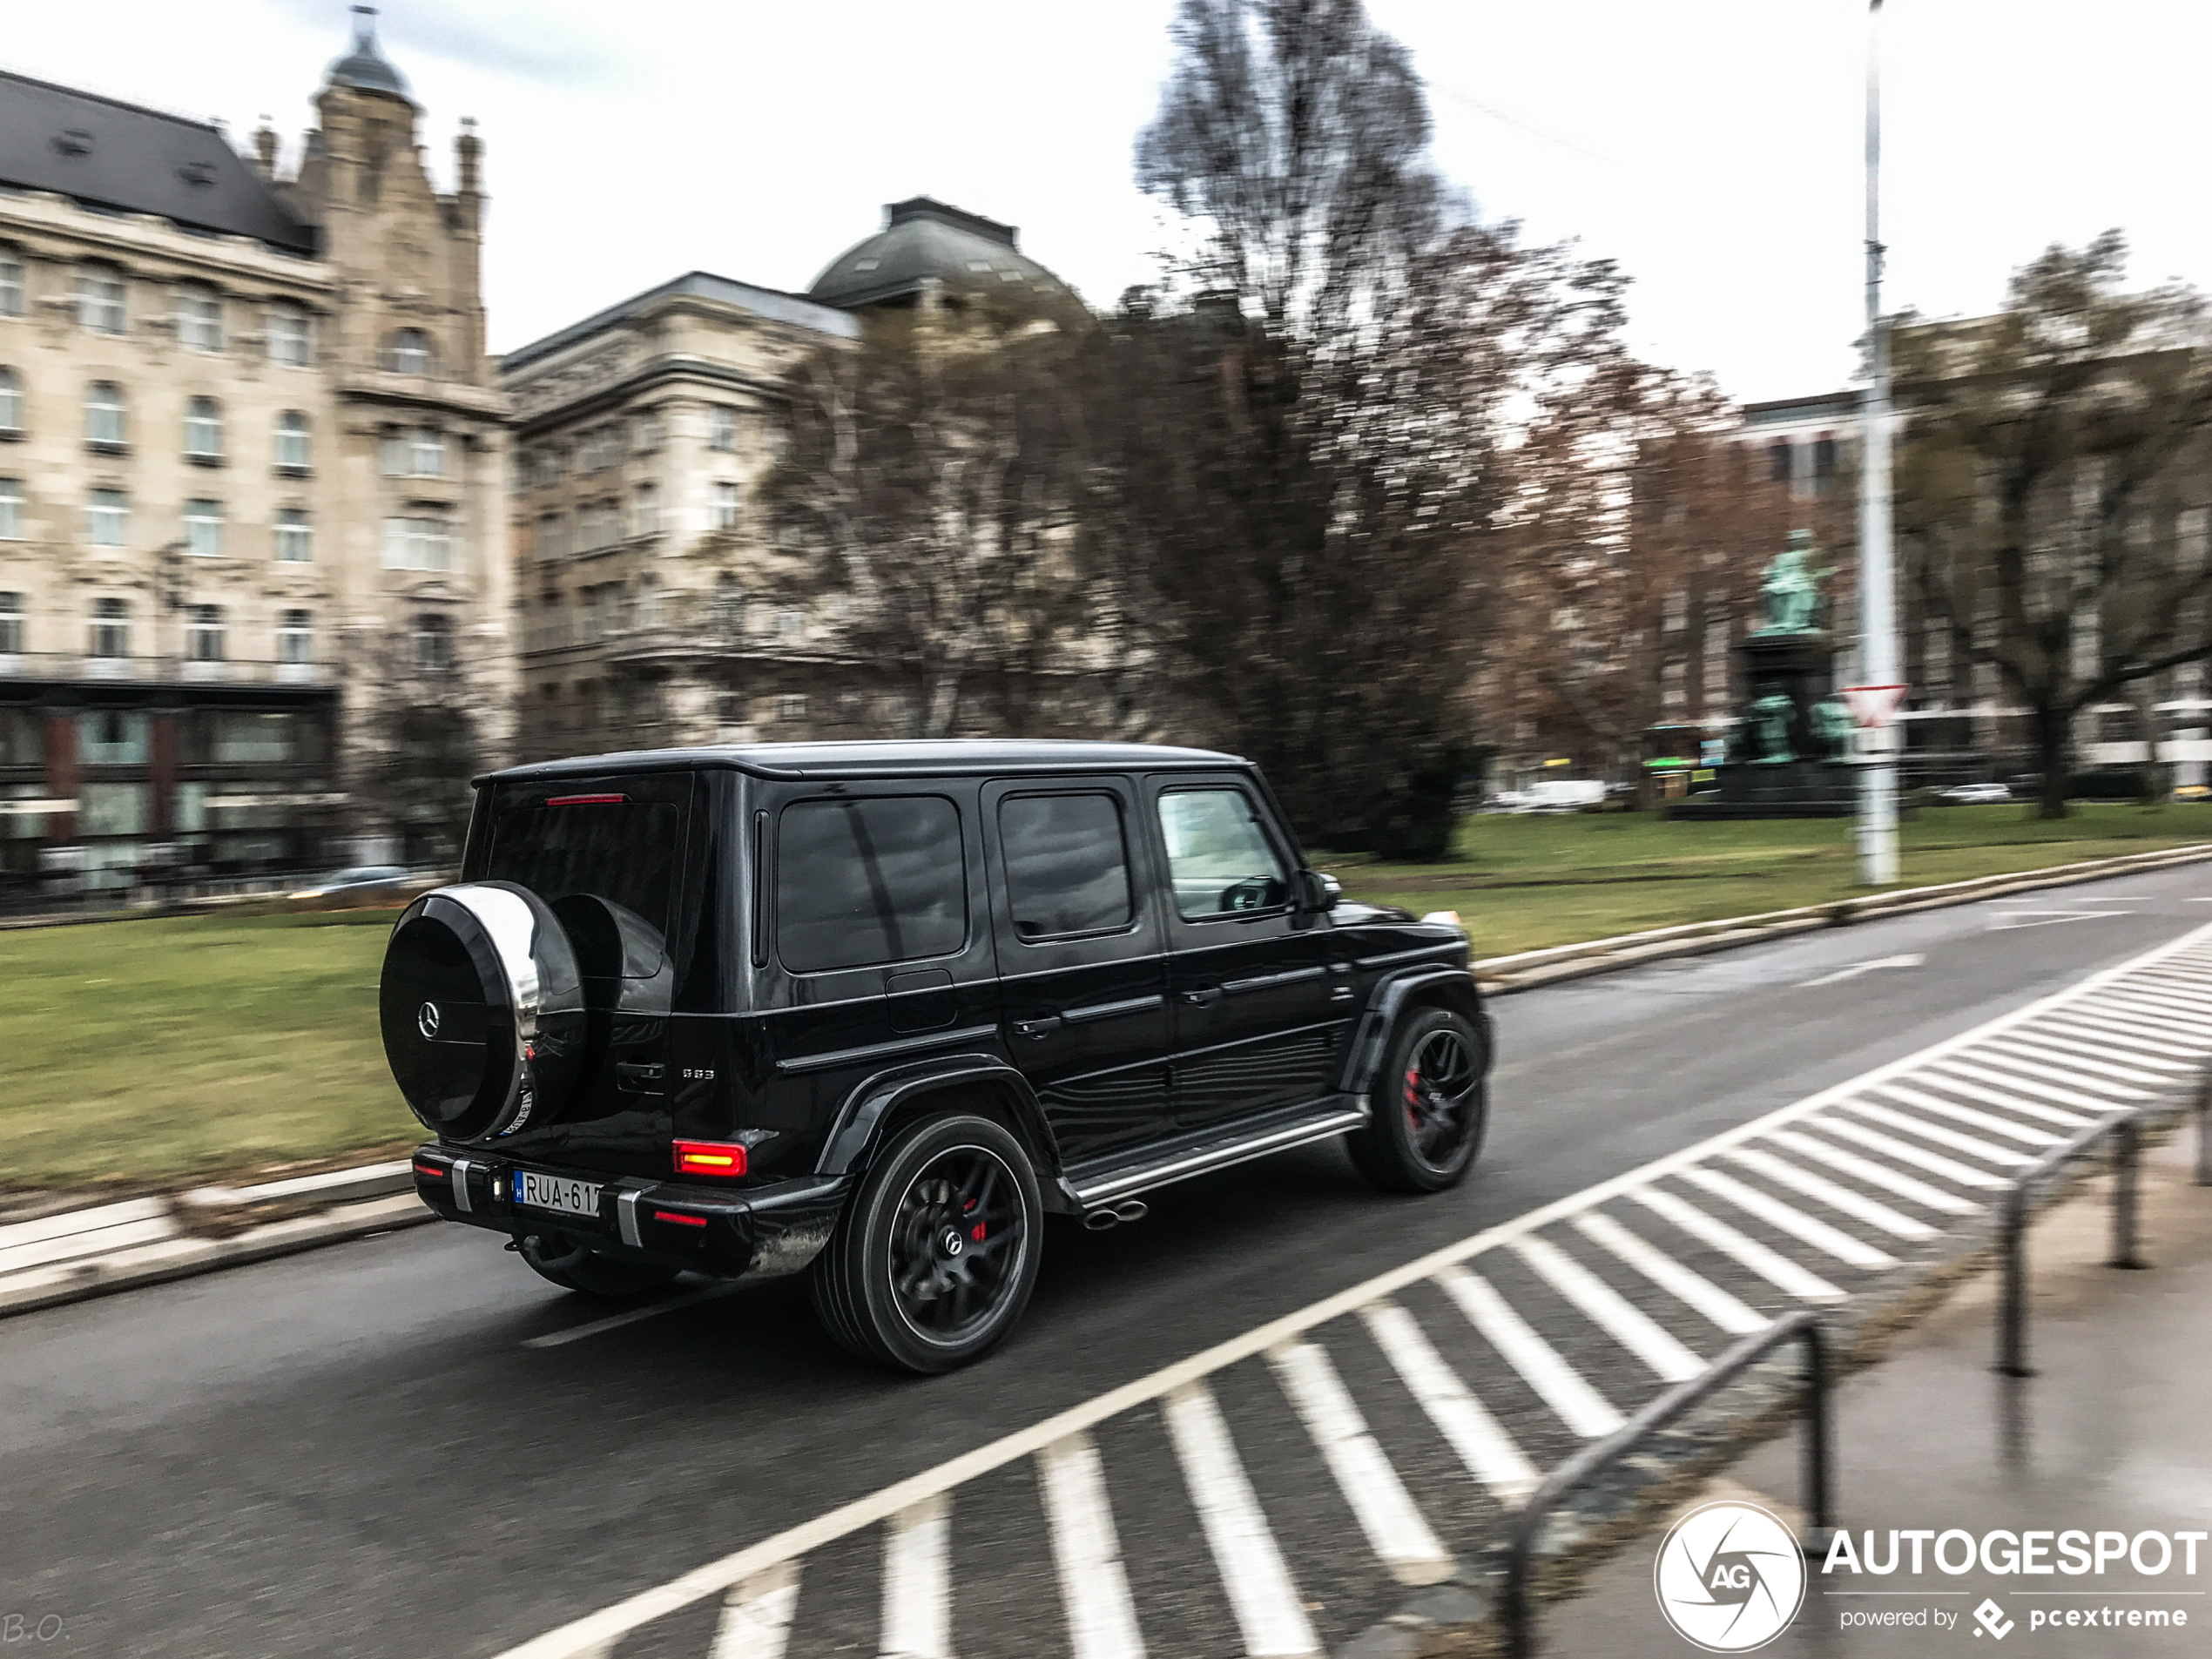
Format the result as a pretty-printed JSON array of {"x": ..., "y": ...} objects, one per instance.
[{"x": 557, "y": 1193}]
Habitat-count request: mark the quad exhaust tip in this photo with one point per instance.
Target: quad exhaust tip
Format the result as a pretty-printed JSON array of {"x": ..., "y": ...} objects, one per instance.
[{"x": 1114, "y": 1214}]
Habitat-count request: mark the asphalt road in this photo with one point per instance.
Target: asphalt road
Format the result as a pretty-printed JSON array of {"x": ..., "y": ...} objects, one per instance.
[{"x": 360, "y": 1450}]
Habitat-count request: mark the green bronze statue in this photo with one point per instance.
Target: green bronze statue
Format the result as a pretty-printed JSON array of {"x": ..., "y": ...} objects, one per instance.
[
  {"x": 1791, "y": 586},
  {"x": 1834, "y": 724},
  {"x": 1770, "y": 718}
]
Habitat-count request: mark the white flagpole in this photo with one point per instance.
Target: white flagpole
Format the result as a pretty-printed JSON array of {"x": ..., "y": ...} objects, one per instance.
[{"x": 1878, "y": 666}]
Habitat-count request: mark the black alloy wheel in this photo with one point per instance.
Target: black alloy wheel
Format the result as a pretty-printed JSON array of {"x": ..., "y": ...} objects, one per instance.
[
  {"x": 935, "y": 1256},
  {"x": 1430, "y": 1105}
]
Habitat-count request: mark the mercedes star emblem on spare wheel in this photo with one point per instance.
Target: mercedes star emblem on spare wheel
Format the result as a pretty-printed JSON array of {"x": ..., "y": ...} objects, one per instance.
[{"x": 425, "y": 1018}]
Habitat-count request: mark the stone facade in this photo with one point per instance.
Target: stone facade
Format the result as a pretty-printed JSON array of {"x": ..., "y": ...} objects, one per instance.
[{"x": 251, "y": 484}]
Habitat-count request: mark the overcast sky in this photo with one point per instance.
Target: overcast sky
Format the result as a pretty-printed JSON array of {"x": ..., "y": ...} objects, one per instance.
[{"x": 1711, "y": 147}]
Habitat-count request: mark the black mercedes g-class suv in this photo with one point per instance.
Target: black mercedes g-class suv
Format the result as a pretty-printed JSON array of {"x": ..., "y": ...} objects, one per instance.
[{"x": 873, "y": 1008}]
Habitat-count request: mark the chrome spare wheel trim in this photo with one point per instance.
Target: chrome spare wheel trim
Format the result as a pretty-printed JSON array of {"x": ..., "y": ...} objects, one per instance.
[{"x": 513, "y": 930}]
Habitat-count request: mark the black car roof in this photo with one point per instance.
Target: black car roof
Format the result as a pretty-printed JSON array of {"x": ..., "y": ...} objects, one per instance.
[{"x": 888, "y": 758}]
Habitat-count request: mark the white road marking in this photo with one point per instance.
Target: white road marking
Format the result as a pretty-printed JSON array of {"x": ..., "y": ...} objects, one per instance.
[
  {"x": 2105, "y": 1017},
  {"x": 2150, "y": 1005},
  {"x": 756, "y": 1615},
  {"x": 918, "y": 1581},
  {"x": 2064, "y": 1069},
  {"x": 1394, "y": 1527},
  {"x": 1919, "y": 1157},
  {"x": 1857, "y": 969},
  {"x": 1959, "y": 1114},
  {"x": 1557, "y": 1384},
  {"x": 1770, "y": 1265},
  {"x": 1684, "y": 1284},
  {"x": 2047, "y": 1047},
  {"x": 1487, "y": 1450},
  {"x": 1937, "y": 1133},
  {"x": 1787, "y": 1219},
  {"x": 1607, "y": 1308},
  {"x": 1856, "y": 1205},
  {"x": 2002, "y": 920},
  {"x": 1874, "y": 1175},
  {"x": 2011, "y": 1071},
  {"x": 2106, "y": 1032},
  {"x": 1268, "y": 1609},
  {"x": 2189, "y": 992},
  {"x": 630, "y": 1316},
  {"x": 1093, "y": 1588},
  {"x": 1959, "y": 1080}
]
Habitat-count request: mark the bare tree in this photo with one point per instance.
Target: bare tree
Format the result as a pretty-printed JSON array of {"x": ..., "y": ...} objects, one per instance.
[{"x": 2052, "y": 460}]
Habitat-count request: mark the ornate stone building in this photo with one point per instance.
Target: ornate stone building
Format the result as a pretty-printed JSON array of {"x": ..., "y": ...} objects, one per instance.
[
  {"x": 641, "y": 435},
  {"x": 251, "y": 484}
]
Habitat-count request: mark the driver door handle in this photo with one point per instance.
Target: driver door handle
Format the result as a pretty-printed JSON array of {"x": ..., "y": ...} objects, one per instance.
[{"x": 1200, "y": 996}]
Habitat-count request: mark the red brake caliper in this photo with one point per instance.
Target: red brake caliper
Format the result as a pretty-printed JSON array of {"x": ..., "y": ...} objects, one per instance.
[{"x": 1413, "y": 1098}]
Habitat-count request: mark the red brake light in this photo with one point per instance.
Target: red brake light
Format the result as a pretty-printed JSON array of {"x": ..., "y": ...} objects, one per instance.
[
  {"x": 430, "y": 1170},
  {"x": 586, "y": 800},
  {"x": 710, "y": 1157},
  {"x": 688, "y": 1221}
]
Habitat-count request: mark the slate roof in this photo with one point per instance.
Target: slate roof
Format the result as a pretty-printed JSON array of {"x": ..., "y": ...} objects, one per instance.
[
  {"x": 772, "y": 303},
  {"x": 924, "y": 240},
  {"x": 105, "y": 154}
]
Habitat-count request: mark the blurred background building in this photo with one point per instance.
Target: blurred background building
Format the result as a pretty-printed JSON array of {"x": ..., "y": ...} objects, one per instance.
[{"x": 252, "y": 481}]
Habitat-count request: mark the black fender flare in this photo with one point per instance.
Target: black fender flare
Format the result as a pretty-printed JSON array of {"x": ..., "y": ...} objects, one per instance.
[
  {"x": 854, "y": 1131},
  {"x": 1442, "y": 985}
]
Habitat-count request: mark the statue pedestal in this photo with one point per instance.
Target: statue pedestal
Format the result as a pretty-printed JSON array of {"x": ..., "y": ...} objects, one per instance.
[{"x": 1781, "y": 764}]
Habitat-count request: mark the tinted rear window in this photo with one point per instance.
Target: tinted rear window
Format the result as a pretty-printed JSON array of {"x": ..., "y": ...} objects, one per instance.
[
  {"x": 1067, "y": 864},
  {"x": 862, "y": 882},
  {"x": 623, "y": 852}
]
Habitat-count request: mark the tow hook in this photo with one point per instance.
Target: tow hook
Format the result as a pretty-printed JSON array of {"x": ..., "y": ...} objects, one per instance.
[{"x": 1113, "y": 1214}]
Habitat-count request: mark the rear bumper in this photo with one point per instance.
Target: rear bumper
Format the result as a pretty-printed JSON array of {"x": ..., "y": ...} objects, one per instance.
[{"x": 731, "y": 1232}]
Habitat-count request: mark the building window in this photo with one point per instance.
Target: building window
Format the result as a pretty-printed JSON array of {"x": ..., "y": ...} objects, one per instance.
[
  {"x": 200, "y": 319},
  {"x": 111, "y": 737},
  {"x": 791, "y": 624},
  {"x": 647, "y": 434},
  {"x": 644, "y": 510},
  {"x": 791, "y": 707},
  {"x": 107, "y": 518},
  {"x": 294, "y": 540},
  {"x": 110, "y": 628},
  {"x": 99, "y": 299},
  {"x": 599, "y": 524},
  {"x": 552, "y": 536},
  {"x": 292, "y": 451},
  {"x": 295, "y": 638},
  {"x": 288, "y": 338},
  {"x": 433, "y": 643},
  {"x": 417, "y": 542},
  {"x": 1781, "y": 462},
  {"x": 409, "y": 353},
  {"x": 11, "y": 624},
  {"x": 552, "y": 465},
  {"x": 725, "y": 507},
  {"x": 418, "y": 452},
  {"x": 11, "y": 284},
  {"x": 721, "y": 426},
  {"x": 204, "y": 633},
  {"x": 203, "y": 429},
  {"x": 204, "y": 528},
  {"x": 104, "y": 413},
  {"x": 11, "y": 402},
  {"x": 10, "y": 509},
  {"x": 1824, "y": 465}
]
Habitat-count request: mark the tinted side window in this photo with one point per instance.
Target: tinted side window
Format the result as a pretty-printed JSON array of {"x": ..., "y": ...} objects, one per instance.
[
  {"x": 1067, "y": 864},
  {"x": 859, "y": 882},
  {"x": 1220, "y": 858}
]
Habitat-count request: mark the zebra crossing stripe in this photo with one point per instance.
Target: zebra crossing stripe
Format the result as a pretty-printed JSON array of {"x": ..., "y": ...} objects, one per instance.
[
  {"x": 1093, "y": 1588},
  {"x": 1394, "y": 1527},
  {"x": 1959, "y": 1114},
  {"x": 2129, "y": 1022},
  {"x": 1265, "y": 1602},
  {"x": 1956, "y": 1078},
  {"x": 2163, "y": 1007},
  {"x": 1890, "y": 1147},
  {"x": 1787, "y": 1219},
  {"x": 1558, "y": 1384},
  {"x": 917, "y": 1581},
  {"x": 756, "y": 1615},
  {"x": 2108, "y": 1035},
  {"x": 1771, "y": 1265},
  {"x": 2062, "y": 1071},
  {"x": 1671, "y": 1276},
  {"x": 1782, "y": 1172},
  {"x": 1465, "y": 1423},
  {"x": 1999, "y": 1155},
  {"x": 1874, "y": 1175},
  {"x": 2057, "y": 1050},
  {"x": 1613, "y": 1314}
]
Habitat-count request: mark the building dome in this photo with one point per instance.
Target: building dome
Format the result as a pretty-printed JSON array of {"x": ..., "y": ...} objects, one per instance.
[
  {"x": 365, "y": 66},
  {"x": 924, "y": 244}
]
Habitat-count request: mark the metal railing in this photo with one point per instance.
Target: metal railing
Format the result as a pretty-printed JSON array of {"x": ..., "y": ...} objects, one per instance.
[
  {"x": 1801, "y": 1326},
  {"x": 2125, "y": 1128},
  {"x": 81, "y": 667}
]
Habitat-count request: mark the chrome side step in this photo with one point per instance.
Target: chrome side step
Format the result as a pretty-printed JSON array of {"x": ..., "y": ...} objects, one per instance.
[{"x": 1182, "y": 1164}]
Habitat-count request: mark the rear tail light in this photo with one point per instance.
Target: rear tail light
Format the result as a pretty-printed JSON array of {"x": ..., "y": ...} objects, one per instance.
[
  {"x": 709, "y": 1157},
  {"x": 586, "y": 801},
  {"x": 688, "y": 1221},
  {"x": 431, "y": 1170}
]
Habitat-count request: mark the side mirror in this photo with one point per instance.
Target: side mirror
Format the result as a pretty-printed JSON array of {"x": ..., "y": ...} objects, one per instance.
[{"x": 1318, "y": 893}]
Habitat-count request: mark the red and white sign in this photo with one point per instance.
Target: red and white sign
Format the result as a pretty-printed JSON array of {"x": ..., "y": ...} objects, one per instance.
[{"x": 1873, "y": 706}]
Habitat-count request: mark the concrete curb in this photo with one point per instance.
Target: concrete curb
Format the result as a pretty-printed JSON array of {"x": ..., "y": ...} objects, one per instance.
[{"x": 1526, "y": 970}]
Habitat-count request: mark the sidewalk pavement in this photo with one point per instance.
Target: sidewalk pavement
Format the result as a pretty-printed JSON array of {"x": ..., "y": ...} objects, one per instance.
[{"x": 2112, "y": 1434}]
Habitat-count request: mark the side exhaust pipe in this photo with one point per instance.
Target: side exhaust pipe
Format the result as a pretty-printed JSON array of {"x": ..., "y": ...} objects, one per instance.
[{"x": 1113, "y": 1214}]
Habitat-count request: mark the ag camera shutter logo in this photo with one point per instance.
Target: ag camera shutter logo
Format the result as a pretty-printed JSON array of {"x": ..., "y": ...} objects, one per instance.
[{"x": 1729, "y": 1577}]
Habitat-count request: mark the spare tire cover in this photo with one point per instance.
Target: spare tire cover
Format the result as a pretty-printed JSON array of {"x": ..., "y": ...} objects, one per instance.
[{"x": 483, "y": 1010}]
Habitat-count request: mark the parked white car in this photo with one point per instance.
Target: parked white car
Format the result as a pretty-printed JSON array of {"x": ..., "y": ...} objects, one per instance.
[{"x": 1974, "y": 795}]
